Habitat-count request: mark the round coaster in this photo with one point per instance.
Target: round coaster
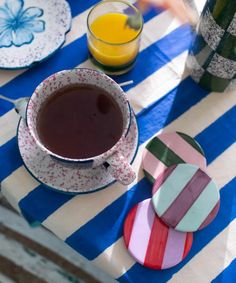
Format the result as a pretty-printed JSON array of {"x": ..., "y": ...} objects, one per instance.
[
  {"x": 168, "y": 149},
  {"x": 185, "y": 197},
  {"x": 151, "y": 242}
]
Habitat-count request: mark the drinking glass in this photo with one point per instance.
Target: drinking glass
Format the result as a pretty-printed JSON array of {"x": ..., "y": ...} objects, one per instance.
[{"x": 119, "y": 57}]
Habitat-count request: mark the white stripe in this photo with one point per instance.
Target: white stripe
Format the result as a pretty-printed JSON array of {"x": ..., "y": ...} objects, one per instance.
[
  {"x": 214, "y": 258},
  {"x": 118, "y": 258},
  {"x": 7, "y": 76},
  {"x": 224, "y": 165},
  {"x": 8, "y": 123},
  {"x": 17, "y": 185},
  {"x": 102, "y": 261},
  {"x": 157, "y": 85},
  {"x": 162, "y": 24},
  {"x": 167, "y": 76},
  {"x": 78, "y": 29},
  {"x": 204, "y": 113}
]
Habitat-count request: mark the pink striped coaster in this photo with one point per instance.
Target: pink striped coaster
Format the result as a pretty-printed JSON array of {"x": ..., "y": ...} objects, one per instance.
[
  {"x": 185, "y": 197},
  {"x": 151, "y": 242},
  {"x": 168, "y": 149}
]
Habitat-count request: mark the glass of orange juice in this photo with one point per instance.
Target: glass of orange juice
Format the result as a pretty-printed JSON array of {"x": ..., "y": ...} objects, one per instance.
[{"x": 113, "y": 45}]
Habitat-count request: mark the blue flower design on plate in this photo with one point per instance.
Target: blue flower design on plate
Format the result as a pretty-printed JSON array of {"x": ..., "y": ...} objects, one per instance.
[{"x": 18, "y": 25}]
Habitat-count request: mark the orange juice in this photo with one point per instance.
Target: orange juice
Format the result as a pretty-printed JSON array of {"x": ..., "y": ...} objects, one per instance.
[
  {"x": 112, "y": 28},
  {"x": 113, "y": 44}
]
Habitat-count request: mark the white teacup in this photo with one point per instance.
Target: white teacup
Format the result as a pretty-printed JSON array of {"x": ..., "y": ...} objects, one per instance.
[{"x": 116, "y": 164}]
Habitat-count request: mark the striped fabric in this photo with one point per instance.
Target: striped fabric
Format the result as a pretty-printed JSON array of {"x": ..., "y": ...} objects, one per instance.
[{"x": 164, "y": 99}]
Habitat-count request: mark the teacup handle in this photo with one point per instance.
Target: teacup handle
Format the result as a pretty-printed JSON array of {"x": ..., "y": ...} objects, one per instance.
[{"x": 120, "y": 169}]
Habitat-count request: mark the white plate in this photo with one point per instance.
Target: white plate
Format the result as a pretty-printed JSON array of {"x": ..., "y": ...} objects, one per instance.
[{"x": 31, "y": 30}]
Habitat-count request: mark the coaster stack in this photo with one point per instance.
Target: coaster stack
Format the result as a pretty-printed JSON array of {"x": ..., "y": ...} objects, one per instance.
[{"x": 158, "y": 231}]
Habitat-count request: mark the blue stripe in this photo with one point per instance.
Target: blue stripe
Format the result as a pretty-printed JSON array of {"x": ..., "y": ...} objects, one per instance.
[
  {"x": 41, "y": 202},
  {"x": 226, "y": 214},
  {"x": 109, "y": 221},
  {"x": 78, "y": 7},
  {"x": 114, "y": 214},
  {"x": 228, "y": 275},
  {"x": 67, "y": 58},
  {"x": 226, "y": 126},
  {"x": 5, "y": 106},
  {"x": 151, "y": 14},
  {"x": 10, "y": 158}
]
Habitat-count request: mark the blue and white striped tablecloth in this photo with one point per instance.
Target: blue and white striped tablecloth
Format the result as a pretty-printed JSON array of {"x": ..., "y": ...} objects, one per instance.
[{"x": 164, "y": 99}]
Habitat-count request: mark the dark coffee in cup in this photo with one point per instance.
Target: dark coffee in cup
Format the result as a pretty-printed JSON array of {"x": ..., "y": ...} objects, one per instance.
[{"x": 79, "y": 121}]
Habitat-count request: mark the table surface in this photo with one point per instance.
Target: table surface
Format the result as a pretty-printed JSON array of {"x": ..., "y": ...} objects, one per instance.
[{"x": 164, "y": 98}]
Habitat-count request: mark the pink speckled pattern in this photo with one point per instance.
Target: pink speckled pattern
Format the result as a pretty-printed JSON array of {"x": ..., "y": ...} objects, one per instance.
[
  {"x": 70, "y": 179},
  {"x": 84, "y": 76},
  {"x": 120, "y": 169}
]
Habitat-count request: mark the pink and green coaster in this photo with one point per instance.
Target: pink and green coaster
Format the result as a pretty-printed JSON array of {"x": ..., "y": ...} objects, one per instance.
[
  {"x": 185, "y": 197},
  {"x": 151, "y": 242},
  {"x": 167, "y": 149}
]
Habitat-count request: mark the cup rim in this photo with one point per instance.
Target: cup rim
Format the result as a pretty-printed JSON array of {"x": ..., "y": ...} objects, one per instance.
[
  {"x": 81, "y": 160},
  {"x": 109, "y": 43}
]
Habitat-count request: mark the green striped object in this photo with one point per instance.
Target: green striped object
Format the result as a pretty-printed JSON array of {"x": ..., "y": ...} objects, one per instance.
[
  {"x": 167, "y": 149},
  {"x": 212, "y": 58},
  {"x": 163, "y": 153}
]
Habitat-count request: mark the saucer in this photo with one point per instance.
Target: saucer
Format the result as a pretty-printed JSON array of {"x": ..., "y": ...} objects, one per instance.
[
  {"x": 67, "y": 179},
  {"x": 31, "y": 31}
]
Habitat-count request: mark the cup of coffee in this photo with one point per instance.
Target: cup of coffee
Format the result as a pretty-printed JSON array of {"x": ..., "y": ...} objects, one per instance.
[{"x": 82, "y": 117}]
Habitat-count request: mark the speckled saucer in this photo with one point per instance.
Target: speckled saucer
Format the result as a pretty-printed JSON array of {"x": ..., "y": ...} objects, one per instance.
[
  {"x": 31, "y": 30},
  {"x": 69, "y": 179}
]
